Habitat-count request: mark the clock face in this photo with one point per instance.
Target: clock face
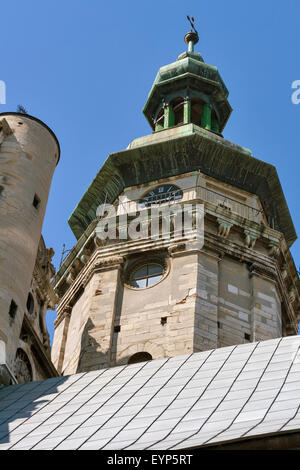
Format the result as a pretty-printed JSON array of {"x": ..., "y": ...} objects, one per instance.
[{"x": 161, "y": 194}]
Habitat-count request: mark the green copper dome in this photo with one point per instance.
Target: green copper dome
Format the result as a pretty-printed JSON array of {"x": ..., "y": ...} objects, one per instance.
[
  {"x": 189, "y": 62},
  {"x": 188, "y": 90}
]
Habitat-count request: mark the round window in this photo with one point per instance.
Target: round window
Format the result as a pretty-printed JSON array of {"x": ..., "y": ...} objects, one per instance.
[{"x": 146, "y": 275}]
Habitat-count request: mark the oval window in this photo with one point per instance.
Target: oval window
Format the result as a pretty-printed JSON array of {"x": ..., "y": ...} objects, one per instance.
[{"x": 146, "y": 275}]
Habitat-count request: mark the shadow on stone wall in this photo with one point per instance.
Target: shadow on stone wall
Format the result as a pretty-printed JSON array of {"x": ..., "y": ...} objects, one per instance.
[
  {"x": 92, "y": 354},
  {"x": 92, "y": 357}
]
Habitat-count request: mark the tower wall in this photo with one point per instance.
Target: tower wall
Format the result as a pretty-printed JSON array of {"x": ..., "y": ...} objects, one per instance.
[
  {"x": 221, "y": 294},
  {"x": 207, "y": 299},
  {"x": 29, "y": 153},
  {"x": 239, "y": 287}
]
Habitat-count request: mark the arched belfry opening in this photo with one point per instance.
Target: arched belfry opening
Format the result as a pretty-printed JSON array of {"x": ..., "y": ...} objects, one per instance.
[{"x": 178, "y": 108}]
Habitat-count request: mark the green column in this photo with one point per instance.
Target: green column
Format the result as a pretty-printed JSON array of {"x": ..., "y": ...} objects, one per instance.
[
  {"x": 206, "y": 117},
  {"x": 215, "y": 125},
  {"x": 187, "y": 112},
  {"x": 169, "y": 118}
]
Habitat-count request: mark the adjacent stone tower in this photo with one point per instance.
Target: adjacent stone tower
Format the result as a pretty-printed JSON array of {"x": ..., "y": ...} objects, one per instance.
[
  {"x": 29, "y": 152},
  {"x": 127, "y": 300}
]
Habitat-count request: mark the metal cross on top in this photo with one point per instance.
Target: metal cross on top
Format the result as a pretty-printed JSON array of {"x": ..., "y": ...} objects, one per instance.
[
  {"x": 192, "y": 21},
  {"x": 192, "y": 37}
]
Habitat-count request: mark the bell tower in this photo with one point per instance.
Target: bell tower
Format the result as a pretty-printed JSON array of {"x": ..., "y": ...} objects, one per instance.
[{"x": 126, "y": 299}]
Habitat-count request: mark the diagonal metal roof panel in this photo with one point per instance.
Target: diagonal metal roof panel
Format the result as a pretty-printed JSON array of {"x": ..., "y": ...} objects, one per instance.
[{"x": 206, "y": 398}]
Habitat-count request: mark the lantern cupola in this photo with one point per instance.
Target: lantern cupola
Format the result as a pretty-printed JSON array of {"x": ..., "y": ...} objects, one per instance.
[{"x": 188, "y": 91}]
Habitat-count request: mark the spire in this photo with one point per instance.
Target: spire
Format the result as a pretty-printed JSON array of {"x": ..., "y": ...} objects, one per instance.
[{"x": 192, "y": 37}]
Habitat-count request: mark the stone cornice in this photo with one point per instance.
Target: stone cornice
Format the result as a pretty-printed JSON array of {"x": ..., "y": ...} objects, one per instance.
[
  {"x": 233, "y": 219},
  {"x": 226, "y": 220},
  {"x": 237, "y": 251},
  {"x": 97, "y": 263},
  {"x": 44, "y": 285},
  {"x": 262, "y": 271},
  {"x": 263, "y": 266},
  {"x": 112, "y": 256},
  {"x": 190, "y": 149}
]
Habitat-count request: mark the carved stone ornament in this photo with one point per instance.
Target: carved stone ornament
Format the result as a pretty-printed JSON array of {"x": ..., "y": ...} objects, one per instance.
[
  {"x": 250, "y": 238},
  {"x": 284, "y": 271},
  {"x": 292, "y": 296},
  {"x": 274, "y": 250},
  {"x": 261, "y": 270},
  {"x": 71, "y": 276},
  {"x": 22, "y": 368},
  {"x": 67, "y": 310},
  {"x": 109, "y": 261},
  {"x": 44, "y": 259},
  {"x": 176, "y": 248},
  {"x": 224, "y": 228},
  {"x": 77, "y": 265},
  {"x": 85, "y": 255}
]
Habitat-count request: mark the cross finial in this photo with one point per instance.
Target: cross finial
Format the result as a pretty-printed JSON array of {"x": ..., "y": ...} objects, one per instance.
[
  {"x": 192, "y": 21},
  {"x": 192, "y": 37}
]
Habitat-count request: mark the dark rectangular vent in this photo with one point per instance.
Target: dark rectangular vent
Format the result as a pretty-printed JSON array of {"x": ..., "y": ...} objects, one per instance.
[
  {"x": 12, "y": 309},
  {"x": 36, "y": 201}
]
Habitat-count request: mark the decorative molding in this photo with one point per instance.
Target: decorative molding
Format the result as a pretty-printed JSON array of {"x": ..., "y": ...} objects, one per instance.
[
  {"x": 178, "y": 248},
  {"x": 80, "y": 281},
  {"x": 109, "y": 261},
  {"x": 263, "y": 271}
]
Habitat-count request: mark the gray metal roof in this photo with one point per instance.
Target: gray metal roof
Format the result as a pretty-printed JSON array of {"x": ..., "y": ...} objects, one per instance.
[{"x": 172, "y": 403}]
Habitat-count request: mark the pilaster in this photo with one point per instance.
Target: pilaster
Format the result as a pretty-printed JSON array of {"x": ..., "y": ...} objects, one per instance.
[{"x": 266, "y": 316}]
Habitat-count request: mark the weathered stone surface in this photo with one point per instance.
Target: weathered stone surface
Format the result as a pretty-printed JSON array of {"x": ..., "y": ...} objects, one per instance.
[{"x": 29, "y": 152}]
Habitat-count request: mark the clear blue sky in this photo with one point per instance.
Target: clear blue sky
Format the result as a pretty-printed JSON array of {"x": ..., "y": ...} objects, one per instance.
[{"x": 85, "y": 67}]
